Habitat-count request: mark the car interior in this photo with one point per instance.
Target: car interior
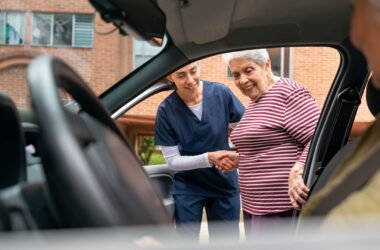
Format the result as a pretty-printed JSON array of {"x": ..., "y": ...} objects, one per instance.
[{"x": 83, "y": 172}]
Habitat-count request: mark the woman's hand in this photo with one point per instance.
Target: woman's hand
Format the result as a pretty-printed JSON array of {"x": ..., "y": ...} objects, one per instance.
[
  {"x": 298, "y": 191},
  {"x": 225, "y": 161}
]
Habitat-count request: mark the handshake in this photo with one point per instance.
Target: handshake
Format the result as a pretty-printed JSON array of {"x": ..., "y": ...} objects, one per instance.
[{"x": 224, "y": 160}]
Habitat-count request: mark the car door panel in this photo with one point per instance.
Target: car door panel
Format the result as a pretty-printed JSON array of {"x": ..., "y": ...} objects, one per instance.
[{"x": 162, "y": 178}]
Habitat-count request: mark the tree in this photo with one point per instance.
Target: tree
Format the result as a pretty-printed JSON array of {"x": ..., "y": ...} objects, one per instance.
[{"x": 146, "y": 149}]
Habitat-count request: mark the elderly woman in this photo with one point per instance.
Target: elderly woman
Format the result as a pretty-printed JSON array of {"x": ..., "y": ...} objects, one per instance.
[{"x": 272, "y": 138}]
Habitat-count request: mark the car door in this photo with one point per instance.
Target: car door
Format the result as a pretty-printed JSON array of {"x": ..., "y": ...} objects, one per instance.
[{"x": 160, "y": 174}]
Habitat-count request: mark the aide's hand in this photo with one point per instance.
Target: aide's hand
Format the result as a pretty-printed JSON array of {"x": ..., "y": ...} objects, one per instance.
[
  {"x": 298, "y": 191},
  {"x": 225, "y": 161}
]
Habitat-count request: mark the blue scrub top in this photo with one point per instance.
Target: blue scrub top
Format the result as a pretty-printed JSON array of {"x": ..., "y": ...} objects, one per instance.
[{"x": 176, "y": 125}]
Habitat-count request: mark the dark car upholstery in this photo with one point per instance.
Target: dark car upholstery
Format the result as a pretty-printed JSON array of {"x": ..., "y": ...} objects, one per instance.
[{"x": 12, "y": 144}]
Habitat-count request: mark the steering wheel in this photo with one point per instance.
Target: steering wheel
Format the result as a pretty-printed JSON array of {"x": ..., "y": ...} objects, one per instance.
[{"x": 92, "y": 174}]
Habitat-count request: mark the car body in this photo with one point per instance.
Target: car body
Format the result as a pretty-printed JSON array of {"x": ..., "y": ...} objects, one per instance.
[{"x": 103, "y": 185}]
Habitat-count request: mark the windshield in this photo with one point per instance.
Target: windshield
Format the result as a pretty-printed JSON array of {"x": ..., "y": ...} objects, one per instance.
[{"x": 70, "y": 30}]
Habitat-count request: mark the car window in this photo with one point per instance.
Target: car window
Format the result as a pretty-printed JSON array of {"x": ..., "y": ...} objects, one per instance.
[
  {"x": 73, "y": 32},
  {"x": 313, "y": 67}
]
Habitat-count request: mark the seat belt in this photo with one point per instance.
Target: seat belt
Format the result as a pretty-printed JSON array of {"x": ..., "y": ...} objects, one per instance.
[
  {"x": 324, "y": 176},
  {"x": 353, "y": 182}
]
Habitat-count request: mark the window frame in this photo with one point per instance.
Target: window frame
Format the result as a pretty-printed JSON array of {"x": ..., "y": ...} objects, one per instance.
[
  {"x": 52, "y": 19},
  {"x": 149, "y": 56},
  {"x": 23, "y": 22}
]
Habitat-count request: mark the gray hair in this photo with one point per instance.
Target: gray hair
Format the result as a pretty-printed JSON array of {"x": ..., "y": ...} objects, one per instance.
[{"x": 259, "y": 56}]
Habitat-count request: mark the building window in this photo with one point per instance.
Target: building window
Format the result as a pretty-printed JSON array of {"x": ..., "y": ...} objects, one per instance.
[
  {"x": 280, "y": 58},
  {"x": 229, "y": 73},
  {"x": 71, "y": 30},
  {"x": 143, "y": 51},
  {"x": 12, "y": 25}
]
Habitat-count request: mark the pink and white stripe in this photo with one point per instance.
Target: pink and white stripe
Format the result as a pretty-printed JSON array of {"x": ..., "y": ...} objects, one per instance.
[{"x": 274, "y": 133}]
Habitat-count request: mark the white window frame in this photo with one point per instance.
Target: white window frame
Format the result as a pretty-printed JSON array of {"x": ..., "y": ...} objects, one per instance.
[
  {"x": 159, "y": 49},
  {"x": 52, "y": 18},
  {"x": 5, "y": 13}
]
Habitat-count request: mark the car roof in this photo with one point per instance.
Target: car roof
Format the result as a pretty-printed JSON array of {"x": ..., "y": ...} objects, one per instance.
[{"x": 197, "y": 27}]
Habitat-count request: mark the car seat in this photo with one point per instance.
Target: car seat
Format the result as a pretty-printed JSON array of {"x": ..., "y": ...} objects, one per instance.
[
  {"x": 12, "y": 144},
  {"x": 23, "y": 204}
]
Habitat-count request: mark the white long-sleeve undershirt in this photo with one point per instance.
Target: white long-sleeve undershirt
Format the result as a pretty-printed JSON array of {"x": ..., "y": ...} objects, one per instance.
[{"x": 179, "y": 162}]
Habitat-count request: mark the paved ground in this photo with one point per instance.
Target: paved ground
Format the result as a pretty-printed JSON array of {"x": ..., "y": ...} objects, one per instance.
[{"x": 203, "y": 235}]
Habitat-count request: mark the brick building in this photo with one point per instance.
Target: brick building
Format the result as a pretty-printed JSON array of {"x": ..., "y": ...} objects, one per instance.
[{"x": 72, "y": 31}]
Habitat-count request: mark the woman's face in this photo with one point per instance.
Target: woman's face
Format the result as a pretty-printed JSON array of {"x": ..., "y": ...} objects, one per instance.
[
  {"x": 186, "y": 79},
  {"x": 252, "y": 79}
]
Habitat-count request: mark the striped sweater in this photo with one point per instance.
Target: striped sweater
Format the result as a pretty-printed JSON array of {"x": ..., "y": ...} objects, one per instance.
[{"x": 274, "y": 133}]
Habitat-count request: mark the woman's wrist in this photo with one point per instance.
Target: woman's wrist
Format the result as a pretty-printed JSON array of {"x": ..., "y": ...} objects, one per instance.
[
  {"x": 207, "y": 159},
  {"x": 298, "y": 168}
]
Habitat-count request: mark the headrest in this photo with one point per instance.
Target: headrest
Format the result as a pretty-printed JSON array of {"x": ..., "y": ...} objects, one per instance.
[{"x": 12, "y": 144}]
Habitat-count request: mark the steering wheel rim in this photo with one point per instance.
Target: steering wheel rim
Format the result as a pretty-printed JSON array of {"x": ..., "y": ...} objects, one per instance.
[{"x": 90, "y": 181}]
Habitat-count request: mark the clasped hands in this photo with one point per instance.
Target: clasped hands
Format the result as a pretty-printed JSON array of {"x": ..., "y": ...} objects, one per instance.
[{"x": 224, "y": 160}]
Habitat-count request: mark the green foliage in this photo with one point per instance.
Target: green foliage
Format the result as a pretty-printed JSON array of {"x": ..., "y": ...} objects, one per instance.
[
  {"x": 146, "y": 148},
  {"x": 156, "y": 159},
  {"x": 147, "y": 151}
]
